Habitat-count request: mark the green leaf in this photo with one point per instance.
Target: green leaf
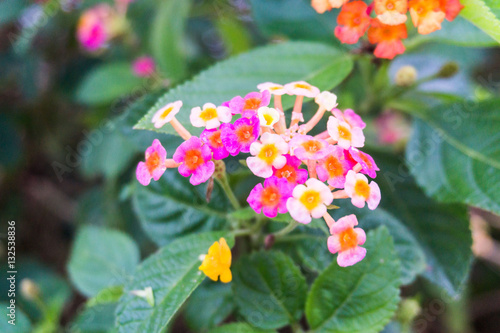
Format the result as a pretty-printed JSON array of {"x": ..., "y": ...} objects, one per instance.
[
  {"x": 234, "y": 34},
  {"x": 10, "y": 10},
  {"x": 441, "y": 230},
  {"x": 99, "y": 318},
  {"x": 173, "y": 275},
  {"x": 246, "y": 213},
  {"x": 239, "y": 328},
  {"x": 172, "y": 207},
  {"x": 106, "y": 296},
  {"x": 106, "y": 83},
  {"x": 360, "y": 298},
  {"x": 485, "y": 14},
  {"x": 101, "y": 258},
  {"x": 321, "y": 65},
  {"x": 269, "y": 289},
  {"x": 455, "y": 154},
  {"x": 209, "y": 305},
  {"x": 167, "y": 36},
  {"x": 295, "y": 19},
  {"x": 19, "y": 320}
]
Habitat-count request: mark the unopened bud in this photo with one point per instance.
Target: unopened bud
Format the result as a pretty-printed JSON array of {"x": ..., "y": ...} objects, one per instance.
[
  {"x": 408, "y": 310},
  {"x": 269, "y": 241},
  {"x": 29, "y": 289},
  {"x": 210, "y": 188},
  {"x": 406, "y": 76},
  {"x": 220, "y": 169},
  {"x": 448, "y": 70}
]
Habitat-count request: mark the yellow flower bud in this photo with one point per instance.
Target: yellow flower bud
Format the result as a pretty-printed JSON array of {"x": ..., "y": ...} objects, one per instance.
[{"x": 406, "y": 76}]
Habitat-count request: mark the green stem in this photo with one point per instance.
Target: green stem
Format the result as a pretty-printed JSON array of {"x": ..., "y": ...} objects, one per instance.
[
  {"x": 229, "y": 192},
  {"x": 286, "y": 230}
]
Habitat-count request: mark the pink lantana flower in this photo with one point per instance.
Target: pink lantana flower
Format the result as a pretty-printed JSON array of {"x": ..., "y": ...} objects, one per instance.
[
  {"x": 212, "y": 138},
  {"x": 144, "y": 66},
  {"x": 309, "y": 200},
  {"x": 267, "y": 154},
  {"x": 358, "y": 189},
  {"x": 345, "y": 134},
  {"x": 346, "y": 240},
  {"x": 350, "y": 117},
  {"x": 155, "y": 164},
  {"x": 334, "y": 167},
  {"x": 195, "y": 159},
  {"x": 270, "y": 198},
  {"x": 93, "y": 31},
  {"x": 367, "y": 163},
  {"x": 273, "y": 88},
  {"x": 291, "y": 171},
  {"x": 210, "y": 116},
  {"x": 307, "y": 147},
  {"x": 302, "y": 88},
  {"x": 238, "y": 137},
  {"x": 166, "y": 114},
  {"x": 250, "y": 103}
]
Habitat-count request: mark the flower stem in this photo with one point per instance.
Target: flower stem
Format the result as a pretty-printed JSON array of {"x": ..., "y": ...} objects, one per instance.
[
  {"x": 286, "y": 230},
  {"x": 224, "y": 183}
]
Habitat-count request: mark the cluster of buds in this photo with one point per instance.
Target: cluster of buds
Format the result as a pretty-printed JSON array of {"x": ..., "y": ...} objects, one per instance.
[
  {"x": 303, "y": 173},
  {"x": 98, "y": 25},
  {"x": 387, "y": 28}
]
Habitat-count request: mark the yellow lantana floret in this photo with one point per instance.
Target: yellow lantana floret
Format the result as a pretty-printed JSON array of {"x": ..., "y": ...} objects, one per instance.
[{"x": 217, "y": 262}]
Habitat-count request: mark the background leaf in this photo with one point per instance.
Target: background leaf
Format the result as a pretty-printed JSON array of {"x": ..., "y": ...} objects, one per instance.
[
  {"x": 360, "y": 298},
  {"x": 173, "y": 275},
  {"x": 239, "y": 328},
  {"x": 106, "y": 83},
  {"x": 22, "y": 323},
  {"x": 172, "y": 207},
  {"x": 269, "y": 289},
  {"x": 485, "y": 14},
  {"x": 295, "y": 19},
  {"x": 167, "y": 36},
  {"x": 209, "y": 305},
  {"x": 101, "y": 258},
  {"x": 320, "y": 65},
  {"x": 441, "y": 230},
  {"x": 455, "y": 153},
  {"x": 99, "y": 318}
]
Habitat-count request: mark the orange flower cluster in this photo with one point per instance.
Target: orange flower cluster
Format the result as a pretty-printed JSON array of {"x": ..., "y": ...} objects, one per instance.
[{"x": 388, "y": 27}]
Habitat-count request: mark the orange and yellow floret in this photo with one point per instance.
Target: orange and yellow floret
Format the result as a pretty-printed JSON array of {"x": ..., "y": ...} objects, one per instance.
[{"x": 217, "y": 262}]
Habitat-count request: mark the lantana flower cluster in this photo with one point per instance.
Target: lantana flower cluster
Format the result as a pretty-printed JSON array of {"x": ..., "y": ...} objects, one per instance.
[
  {"x": 384, "y": 20},
  {"x": 301, "y": 173}
]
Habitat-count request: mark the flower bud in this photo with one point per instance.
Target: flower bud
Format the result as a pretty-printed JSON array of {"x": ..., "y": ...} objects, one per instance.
[
  {"x": 448, "y": 70},
  {"x": 29, "y": 289},
  {"x": 220, "y": 169},
  {"x": 408, "y": 310},
  {"x": 406, "y": 76}
]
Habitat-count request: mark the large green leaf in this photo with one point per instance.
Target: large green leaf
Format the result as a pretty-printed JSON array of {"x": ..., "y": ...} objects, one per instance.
[
  {"x": 360, "y": 298},
  {"x": 455, "y": 154},
  {"x": 295, "y": 19},
  {"x": 239, "y": 328},
  {"x": 209, "y": 305},
  {"x": 321, "y": 65},
  {"x": 99, "y": 318},
  {"x": 106, "y": 83},
  {"x": 269, "y": 289},
  {"x": 485, "y": 14},
  {"x": 167, "y": 36},
  {"x": 442, "y": 230},
  {"x": 173, "y": 275},
  {"x": 172, "y": 207},
  {"x": 101, "y": 258}
]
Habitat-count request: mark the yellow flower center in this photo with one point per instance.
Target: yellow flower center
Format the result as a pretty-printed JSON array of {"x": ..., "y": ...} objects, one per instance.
[
  {"x": 268, "y": 119},
  {"x": 310, "y": 199},
  {"x": 333, "y": 167},
  {"x": 312, "y": 146},
  {"x": 344, "y": 133},
  {"x": 303, "y": 86},
  {"x": 268, "y": 153},
  {"x": 362, "y": 189},
  {"x": 208, "y": 114},
  {"x": 152, "y": 161},
  {"x": 166, "y": 112}
]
